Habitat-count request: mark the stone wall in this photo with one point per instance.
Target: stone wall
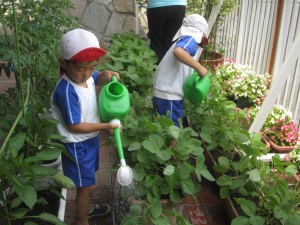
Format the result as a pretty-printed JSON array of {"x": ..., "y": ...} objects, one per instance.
[{"x": 106, "y": 17}]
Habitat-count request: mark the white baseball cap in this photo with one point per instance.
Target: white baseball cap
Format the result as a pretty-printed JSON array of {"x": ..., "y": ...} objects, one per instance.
[
  {"x": 80, "y": 45},
  {"x": 193, "y": 25}
]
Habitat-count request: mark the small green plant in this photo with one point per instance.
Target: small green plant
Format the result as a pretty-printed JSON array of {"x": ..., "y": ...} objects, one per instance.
[
  {"x": 131, "y": 57},
  {"x": 261, "y": 194},
  {"x": 295, "y": 156}
]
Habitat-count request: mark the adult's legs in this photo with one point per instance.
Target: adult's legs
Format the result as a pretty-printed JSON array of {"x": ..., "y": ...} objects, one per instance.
[
  {"x": 163, "y": 23},
  {"x": 156, "y": 19},
  {"x": 175, "y": 15}
]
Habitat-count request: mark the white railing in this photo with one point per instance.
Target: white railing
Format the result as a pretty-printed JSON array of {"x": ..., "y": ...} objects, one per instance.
[{"x": 249, "y": 36}]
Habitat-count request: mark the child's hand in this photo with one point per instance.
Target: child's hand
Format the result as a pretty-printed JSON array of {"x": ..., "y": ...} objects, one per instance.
[
  {"x": 114, "y": 124},
  {"x": 109, "y": 74}
]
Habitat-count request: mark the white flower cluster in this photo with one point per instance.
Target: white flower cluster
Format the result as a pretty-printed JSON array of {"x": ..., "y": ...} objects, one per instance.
[
  {"x": 277, "y": 113},
  {"x": 240, "y": 80}
]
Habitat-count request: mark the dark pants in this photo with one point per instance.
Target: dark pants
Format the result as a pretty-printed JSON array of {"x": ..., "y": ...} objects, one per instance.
[{"x": 163, "y": 23}]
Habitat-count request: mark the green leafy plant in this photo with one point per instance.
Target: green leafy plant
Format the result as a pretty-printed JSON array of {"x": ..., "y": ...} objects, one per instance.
[
  {"x": 131, "y": 57},
  {"x": 294, "y": 156},
  {"x": 204, "y": 8},
  {"x": 37, "y": 26},
  {"x": 268, "y": 199},
  {"x": 30, "y": 40},
  {"x": 160, "y": 170}
]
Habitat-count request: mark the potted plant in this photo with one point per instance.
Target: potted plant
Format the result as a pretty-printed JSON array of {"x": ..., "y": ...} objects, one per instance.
[
  {"x": 294, "y": 156},
  {"x": 280, "y": 131},
  {"x": 213, "y": 55},
  {"x": 263, "y": 197},
  {"x": 28, "y": 139},
  {"x": 242, "y": 85}
]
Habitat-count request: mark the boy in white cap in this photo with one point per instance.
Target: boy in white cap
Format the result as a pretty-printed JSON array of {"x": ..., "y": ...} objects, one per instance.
[
  {"x": 74, "y": 105},
  {"x": 178, "y": 63}
]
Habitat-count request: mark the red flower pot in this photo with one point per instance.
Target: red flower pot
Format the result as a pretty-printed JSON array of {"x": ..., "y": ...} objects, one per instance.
[{"x": 277, "y": 148}]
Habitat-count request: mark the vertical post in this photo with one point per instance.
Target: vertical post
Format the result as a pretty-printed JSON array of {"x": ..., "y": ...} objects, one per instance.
[{"x": 241, "y": 31}]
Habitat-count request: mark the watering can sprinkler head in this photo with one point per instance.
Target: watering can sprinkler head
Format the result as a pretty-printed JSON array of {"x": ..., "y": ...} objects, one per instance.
[{"x": 124, "y": 175}]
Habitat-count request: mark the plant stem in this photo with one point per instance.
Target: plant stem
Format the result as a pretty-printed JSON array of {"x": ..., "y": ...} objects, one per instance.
[
  {"x": 4, "y": 197},
  {"x": 3, "y": 22},
  {"x": 18, "y": 54},
  {"x": 16, "y": 121}
]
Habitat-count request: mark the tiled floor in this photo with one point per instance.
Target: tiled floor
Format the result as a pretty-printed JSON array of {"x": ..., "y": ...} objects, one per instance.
[{"x": 206, "y": 209}]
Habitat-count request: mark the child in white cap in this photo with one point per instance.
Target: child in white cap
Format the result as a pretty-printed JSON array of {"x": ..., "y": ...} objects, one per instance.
[
  {"x": 74, "y": 105},
  {"x": 178, "y": 63}
]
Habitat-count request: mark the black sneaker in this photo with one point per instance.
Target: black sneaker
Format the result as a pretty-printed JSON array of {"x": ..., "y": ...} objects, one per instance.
[{"x": 99, "y": 210}]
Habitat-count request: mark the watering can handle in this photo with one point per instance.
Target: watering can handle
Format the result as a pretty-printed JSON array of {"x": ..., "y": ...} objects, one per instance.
[
  {"x": 117, "y": 135},
  {"x": 197, "y": 78}
]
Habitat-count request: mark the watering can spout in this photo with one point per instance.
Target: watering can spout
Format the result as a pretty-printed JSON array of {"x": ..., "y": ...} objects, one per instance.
[{"x": 114, "y": 79}]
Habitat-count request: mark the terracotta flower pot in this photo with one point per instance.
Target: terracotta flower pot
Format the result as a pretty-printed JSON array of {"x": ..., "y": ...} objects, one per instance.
[
  {"x": 277, "y": 148},
  {"x": 230, "y": 209},
  {"x": 211, "y": 60}
]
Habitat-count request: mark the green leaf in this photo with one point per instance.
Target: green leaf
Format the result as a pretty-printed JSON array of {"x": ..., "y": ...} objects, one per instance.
[
  {"x": 27, "y": 194},
  {"x": 169, "y": 170},
  {"x": 224, "y": 181},
  {"x": 206, "y": 137},
  {"x": 45, "y": 155},
  {"x": 248, "y": 206},
  {"x": 16, "y": 143},
  {"x": 205, "y": 173},
  {"x": 134, "y": 146},
  {"x": 185, "y": 171},
  {"x": 240, "y": 220},
  {"x": 257, "y": 220},
  {"x": 291, "y": 170},
  {"x": 223, "y": 161},
  {"x": 64, "y": 181},
  {"x": 164, "y": 155},
  {"x": 254, "y": 175},
  {"x": 175, "y": 196},
  {"x": 42, "y": 170},
  {"x": 187, "y": 186},
  {"x": 164, "y": 189},
  {"x": 161, "y": 221},
  {"x": 50, "y": 218},
  {"x": 173, "y": 132},
  {"x": 224, "y": 192},
  {"x": 19, "y": 213},
  {"x": 156, "y": 210},
  {"x": 154, "y": 143}
]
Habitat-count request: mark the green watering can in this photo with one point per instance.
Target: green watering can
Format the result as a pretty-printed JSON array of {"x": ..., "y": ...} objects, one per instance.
[
  {"x": 114, "y": 104},
  {"x": 196, "y": 88}
]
